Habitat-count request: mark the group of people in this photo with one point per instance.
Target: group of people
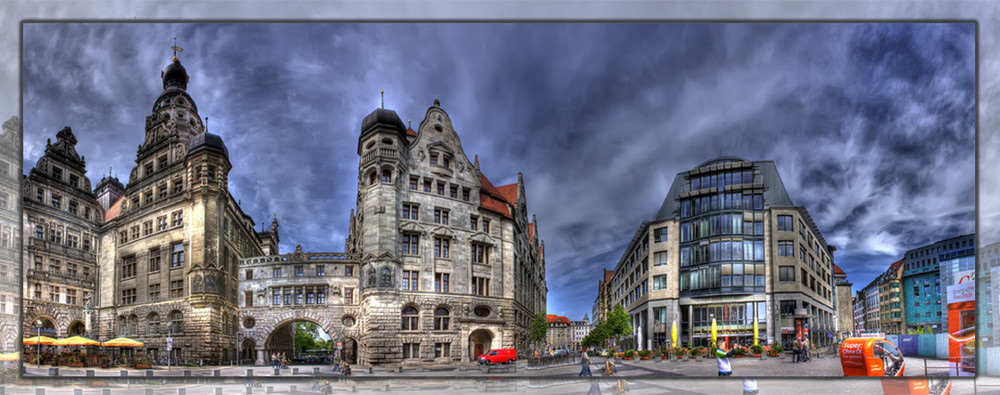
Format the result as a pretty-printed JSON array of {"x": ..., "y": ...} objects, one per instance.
[
  {"x": 278, "y": 361},
  {"x": 800, "y": 350}
]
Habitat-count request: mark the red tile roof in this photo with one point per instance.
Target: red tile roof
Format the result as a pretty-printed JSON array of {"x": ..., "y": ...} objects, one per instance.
[
  {"x": 555, "y": 318},
  {"x": 491, "y": 199},
  {"x": 837, "y": 271},
  {"x": 411, "y": 132},
  {"x": 509, "y": 193},
  {"x": 895, "y": 265},
  {"x": 113, "y": 211},
  {"x": 607, "y": 275},
  {"x": 531, "y": 230}
]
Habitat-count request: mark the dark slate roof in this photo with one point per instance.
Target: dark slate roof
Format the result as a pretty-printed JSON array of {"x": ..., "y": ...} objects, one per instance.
[
  {"x": 207, "y": 141},
  {"x": 774, "y": 189},
  {"x": 382, "y": 117}
]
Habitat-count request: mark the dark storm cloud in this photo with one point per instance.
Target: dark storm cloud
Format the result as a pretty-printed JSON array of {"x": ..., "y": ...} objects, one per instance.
[{"x": 871, "y": 126}]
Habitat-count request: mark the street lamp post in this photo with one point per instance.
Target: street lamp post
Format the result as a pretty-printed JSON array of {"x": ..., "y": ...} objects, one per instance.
[{"x": 38, "y": 357}]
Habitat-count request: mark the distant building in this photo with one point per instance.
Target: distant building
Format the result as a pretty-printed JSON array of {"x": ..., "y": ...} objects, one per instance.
[
  {"x": 845, "y": 308},
  {"x": 858, "y": 301},
  {"x": 922, "y": 291},
  {"x": 891, "y": 299},
  {"x": 602, "y": 305},
  {"x": 558, "y": 335},
  {"x": 870, "y": 294},
  {"x": 10, "y": 217},
  {"x": 578, "y": 330},
  {"x": 987, "y": 300}
]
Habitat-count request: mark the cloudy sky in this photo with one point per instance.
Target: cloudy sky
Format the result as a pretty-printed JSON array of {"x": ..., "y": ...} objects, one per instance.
[{"x": 871, "y": 126}]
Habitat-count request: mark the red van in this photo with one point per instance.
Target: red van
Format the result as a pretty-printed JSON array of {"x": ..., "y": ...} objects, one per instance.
[{"x": 502, "y": 355}]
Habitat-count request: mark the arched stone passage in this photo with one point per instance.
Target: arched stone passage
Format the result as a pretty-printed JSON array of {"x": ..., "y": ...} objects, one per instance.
[
  {"x": 248, "y": 353},
  {"x": 76, "y": 328},
  {"x": 480, "y": 341},
  {"x": 47, "y": 326}
]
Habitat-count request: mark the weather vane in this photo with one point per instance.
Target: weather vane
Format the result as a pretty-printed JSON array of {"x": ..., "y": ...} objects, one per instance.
[{"x": 176, "y": 49}]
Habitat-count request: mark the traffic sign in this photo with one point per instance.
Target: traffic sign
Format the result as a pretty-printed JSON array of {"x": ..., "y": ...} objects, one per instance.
[
  {"x": 340, "y": 345},
  {"x": 170, "y": 343}
]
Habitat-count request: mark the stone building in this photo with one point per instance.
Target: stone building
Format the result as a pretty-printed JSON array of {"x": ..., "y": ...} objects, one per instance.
[
  {"x": 558, "y": 335},
  {"x": 10, "y": 238},
  {"x": 61, "y": 220},
  {"x": 602, "y": 304},
  {"x": 845, "y": 304},
  {"x": 440, "y": 265},
  {"x": 727, "y": 243},
  {"x": 891, "y": 300},
  {"x": 577, "y": 331}
]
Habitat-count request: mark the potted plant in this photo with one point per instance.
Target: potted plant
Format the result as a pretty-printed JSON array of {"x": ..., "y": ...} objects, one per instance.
[
  {"x": 679, "y": 352},
  {"x": 696, "y": 352},
  {"x": 75, "y": 362},
  {"x": 756, "y": 349},
  {"x": 739, "y": 352},
  {"x": 777, "y": 350},
  {"x": 629, "y": 354},
  {"x": 143, "y": 363},
  {"x": 665, "y": 353},
  {"x": 644, "y": 354},
  {"x": 105, "y": 362}
]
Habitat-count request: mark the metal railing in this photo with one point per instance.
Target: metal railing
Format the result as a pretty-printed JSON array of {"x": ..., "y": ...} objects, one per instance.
[{"x": 553, "y": 360}]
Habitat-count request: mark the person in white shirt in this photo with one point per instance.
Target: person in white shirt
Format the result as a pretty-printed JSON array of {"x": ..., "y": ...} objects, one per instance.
[{"x": 722, "y": 359}]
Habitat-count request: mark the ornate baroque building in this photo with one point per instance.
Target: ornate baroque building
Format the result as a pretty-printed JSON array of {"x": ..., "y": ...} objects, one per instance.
[
  {"x": 440, "y": 265},
  {"x": 10, "y": 239}
]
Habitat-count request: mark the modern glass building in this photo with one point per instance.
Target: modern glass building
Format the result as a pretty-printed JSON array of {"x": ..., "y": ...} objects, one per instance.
[
  {"x": 922, "y": 291},
  {"x": 727, "y": 244}
]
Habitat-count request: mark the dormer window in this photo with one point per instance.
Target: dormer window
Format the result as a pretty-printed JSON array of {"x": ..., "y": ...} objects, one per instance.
[
  {"x": 148, "y": 167},
  {"x": 74, "y": 181},
  {"x": 57, "y": 173},
  {"x": 163, "y": 161},
  {"x": 56, "y": 201}
]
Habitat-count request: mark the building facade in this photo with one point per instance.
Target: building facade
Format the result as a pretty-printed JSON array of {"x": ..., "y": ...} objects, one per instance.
[
  {"x": 845, "y": 304},
  {"x": 922, "y": 292},
  {"x": 873, "y": 321},
  {"x": 439, "y": 265},
  {"x": 987, "y": 300},
  {"x": 727, "y": 244},
  {"x": 577, "y": 331},
  {"x": 891, "y": 300},
  {"x": 559, "y": 334},
  {"x": 10, "y": 236},
  {"x": 858, "y": 301}
]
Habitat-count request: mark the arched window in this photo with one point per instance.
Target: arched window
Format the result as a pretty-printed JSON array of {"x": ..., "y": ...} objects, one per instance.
[
  {"x": 133, "y": 325},
  {"x": 122, "y": 326},
  {"x": 176, "y": 322},
  {"x": 348, "y": 321},
  {"x": 386, "y": 176},
  {"x": 153, "y": 321},
  {"x": 441, "y": 319},
  {"x": 410, "y": 316},
  {"x": 371, "y": 178}
]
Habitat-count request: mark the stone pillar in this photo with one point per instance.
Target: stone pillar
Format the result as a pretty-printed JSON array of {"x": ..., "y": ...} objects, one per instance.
[{"x": 260, "y": 357}]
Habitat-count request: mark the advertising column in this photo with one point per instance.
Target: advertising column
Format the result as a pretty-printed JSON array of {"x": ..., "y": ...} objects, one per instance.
[{"x": 962, "y": 325}]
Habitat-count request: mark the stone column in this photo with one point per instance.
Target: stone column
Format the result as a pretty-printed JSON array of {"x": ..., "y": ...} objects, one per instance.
[{"x": 260, "y": 357}]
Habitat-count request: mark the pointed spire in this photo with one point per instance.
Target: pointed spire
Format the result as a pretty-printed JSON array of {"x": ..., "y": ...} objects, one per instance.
[
  {"x": 477, "y": 162},
  {"x": 382, "y": 94}
]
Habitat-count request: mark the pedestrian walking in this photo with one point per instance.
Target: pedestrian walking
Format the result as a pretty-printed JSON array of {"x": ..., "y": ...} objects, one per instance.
[
  {"x": 722, "y": 359},
  {"x": 585, "y": 361},
  {"x": 807, "y": 345},
  {"x": 749, "y": 386}
]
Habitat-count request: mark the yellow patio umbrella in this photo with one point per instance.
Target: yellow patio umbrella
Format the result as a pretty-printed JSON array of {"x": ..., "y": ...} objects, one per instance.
[
  {"x": 14, "y": 356},
  {"x": 673, "y": 334},
  {"x": 122, "y": 342},
  {"x": 755, "y": 331},
  {"x": 43, "y": 340},
  {"x": 715, "y": 333},
  {"x": 76, "y": 341}
]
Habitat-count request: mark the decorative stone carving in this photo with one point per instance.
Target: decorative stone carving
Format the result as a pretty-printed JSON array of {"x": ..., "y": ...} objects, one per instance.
[
  {"x": 379, "y": 210},
  {"x": 196, "y": 284}
]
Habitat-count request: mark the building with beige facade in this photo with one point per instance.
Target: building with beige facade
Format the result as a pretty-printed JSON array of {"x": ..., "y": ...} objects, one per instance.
[
  {"x": 10, "y": 235},
  {"x": 727, "y": 244}
]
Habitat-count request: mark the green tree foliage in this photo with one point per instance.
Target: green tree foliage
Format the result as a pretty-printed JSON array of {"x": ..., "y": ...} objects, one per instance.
[
  {"x": 539, "y": 327},
  {"x": 618, "y": 323},
  {"x": 307, "y": 337},
  {"x": 597, "y": 336}
]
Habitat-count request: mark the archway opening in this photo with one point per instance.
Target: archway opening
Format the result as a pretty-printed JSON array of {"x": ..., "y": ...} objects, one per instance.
[
  {"x": 480, "y": 341},
  {"x": 76, "y": 328},
  {"x": 248, "y": 353},
  {"x": 300, "y": 342},
  {"x": 42, "y": 326}
]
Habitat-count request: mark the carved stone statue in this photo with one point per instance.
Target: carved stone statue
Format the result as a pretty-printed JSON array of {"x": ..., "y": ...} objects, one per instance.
[{"x": 86, "y": 301}]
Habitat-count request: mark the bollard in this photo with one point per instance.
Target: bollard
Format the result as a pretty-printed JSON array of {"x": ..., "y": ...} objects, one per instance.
[
  {"x": 187, "y": 373},
  {"x": 218, "y": 390},
  {"x": 180, "y": 391},
  {"x": 277, "y": 372},
  {"x": 249, "y": 372},
  {"x": 315, "y": 370},
  {"x": 123, "y": 373},
  {"x": 295, "y": 370},
  {"x": 397, "y": 369},
  {"x": 53, "y": 371},
  {"x": 149, "y": 391},
  {"x": 77, "y": 391},
  {"x": 216, "y": 373},
  {"x": 90, "y": 373},
  {"x": 293, "y": 389},
  {"x": 39, "y": 391},
  {"x": 368, "y": 370},
  {"x": 106, "y": 391},
  {"x": 269, "y": 389},
  {"x": 350, "y": 388},
  {"x": 247, "y": 390},
  {"x": 420, "y": 368},
  {"x": 149, "y": 373}
]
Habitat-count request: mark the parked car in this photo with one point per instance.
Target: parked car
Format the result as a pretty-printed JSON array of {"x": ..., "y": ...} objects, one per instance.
[{"x": 501, "y": 355}]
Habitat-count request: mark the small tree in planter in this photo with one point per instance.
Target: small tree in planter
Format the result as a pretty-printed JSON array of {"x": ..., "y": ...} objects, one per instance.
[
  {"x": 644, "y": 354},
  {"x": 739, "y": 352},
  {"x": 757, "y": 349},
  {"x": 696, "y": 352},
  {"x": 665, "y": 353},
  {"x": 629, "y": 354},
  {"x": 679, "y": 352}
]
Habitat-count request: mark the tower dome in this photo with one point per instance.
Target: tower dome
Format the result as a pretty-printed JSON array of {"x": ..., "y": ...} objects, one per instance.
[{"x": 175, "y": 76}]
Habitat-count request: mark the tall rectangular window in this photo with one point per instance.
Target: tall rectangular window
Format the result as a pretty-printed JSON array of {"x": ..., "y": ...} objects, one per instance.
[
  {"x": 161, "y": 223},
  {"x": 410, "y": 280},
  {"x": 486, "y": 225},
  {"x": 661, "y": 258},
  {"x": 177, "y": 255},
  {"x": 479, "y": 253},
  {"x": 465, "y": 194},
  {"x": 320, "y": 270},
  {"x": 786, "y": 248},
  {"x": 441, "y": 282},
  {"x": 427, "y": 186},
  {"x": 440, "y": 188},
  {"x": 128, "y": 267},
  {"x": 154, "y": 260},
  {"x": 128, "y": 296},
  {"x": 474, "y": 222},
  {"x": 786, "y": 273},
  {"x": 481, "y": 286},
  {"x": 413, "y": 183},
  {"x": 277, "y": 272},
  {"x": 785, "y": 223},
  {"x": 411, "y": 211},
  {"x": 176, "y": 288},
  {"x": 441, "y": 246},
  {"x": 177, "y": 218},
  {"x": 659, "y": 282},
  {"x": 660, "y": 234},
  {"x": 411, "y": 244}
]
